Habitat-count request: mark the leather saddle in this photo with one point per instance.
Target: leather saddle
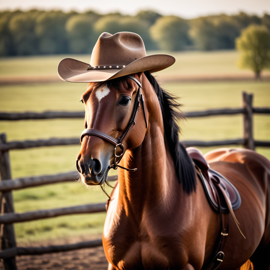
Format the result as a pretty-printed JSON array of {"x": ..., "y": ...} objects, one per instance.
[
  {"x": 215, "y": 185},
  {"x": 223, "y": 198}
]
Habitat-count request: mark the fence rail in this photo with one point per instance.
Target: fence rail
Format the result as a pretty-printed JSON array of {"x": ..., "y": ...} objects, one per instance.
[
  {"x": 34, "y": 181},
  {"x": 12, "y": 145},
  {"x": 39, "y": 116},
  {"x": 13, "y": 116},
  {"x": 224, "y": 142},
  {"x": 261, "y": 110},
  {"x": 8, "y": 217},
  {"x": 38, "y": 143},
  {"x": 50, "y": 213},
  {"x": 17, "y": 145},
  {"x": 19, "y": 251}
]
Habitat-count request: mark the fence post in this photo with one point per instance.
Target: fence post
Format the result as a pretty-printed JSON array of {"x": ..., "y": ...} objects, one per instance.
[
  {"x": 248, "y": 121},
  {"x": 6, "y": 203}
]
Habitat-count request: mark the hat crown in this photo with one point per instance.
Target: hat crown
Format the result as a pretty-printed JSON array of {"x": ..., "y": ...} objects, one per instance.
[{"x": 119, "y": 49}]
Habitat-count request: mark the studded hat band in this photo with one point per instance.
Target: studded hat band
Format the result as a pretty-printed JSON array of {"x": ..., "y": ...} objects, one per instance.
[{"x": 106, "y": 67}]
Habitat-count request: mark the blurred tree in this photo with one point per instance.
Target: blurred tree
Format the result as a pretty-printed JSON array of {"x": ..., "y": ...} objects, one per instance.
[
  {"x": 108, "y": 23},
  {"x": 204, "y": 34},
  {"x": 21, "y": 27},
  {"x": 81, "y": 33},
  {"x": 214, "y": 33},
  {"x": 148, "y": 16},
  {"x": 116, "y": 13},
  {"x": 51, "y": 32},
  {"x": 133, "y": 24},
  {"x": 6, "y": 42},
  {"x": 266, "y": 20},
  {"x": 93, "y": 14},
  {"x": 244, "y": 20},
  {"x": 171, "y": 33},
  {"x": 254, "y": 45},
  {"x": 227, "y": 31}
]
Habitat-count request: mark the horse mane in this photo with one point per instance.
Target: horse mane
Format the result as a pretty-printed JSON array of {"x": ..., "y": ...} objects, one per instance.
[{"x": 170, "y": 109}]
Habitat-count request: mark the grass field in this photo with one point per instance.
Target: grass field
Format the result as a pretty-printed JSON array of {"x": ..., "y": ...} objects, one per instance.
[
  {"x": 187, "y": 63},
  {"x": 65, "y": 96}
]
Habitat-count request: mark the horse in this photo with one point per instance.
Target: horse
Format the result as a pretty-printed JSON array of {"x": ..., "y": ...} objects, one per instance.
[{"x": 158, "y": 216}]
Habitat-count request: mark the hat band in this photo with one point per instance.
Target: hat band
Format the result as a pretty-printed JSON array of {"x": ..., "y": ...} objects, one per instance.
[{"x": 105, "y": 67}]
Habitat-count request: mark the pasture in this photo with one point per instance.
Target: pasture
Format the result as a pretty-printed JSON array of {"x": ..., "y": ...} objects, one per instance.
[
  {"x": 66, "y": 96},
  {"x": 187, "y": 64}
]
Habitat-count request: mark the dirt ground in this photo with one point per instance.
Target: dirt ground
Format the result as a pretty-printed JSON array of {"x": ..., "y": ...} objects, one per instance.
[{"x": 82, "y": 259}]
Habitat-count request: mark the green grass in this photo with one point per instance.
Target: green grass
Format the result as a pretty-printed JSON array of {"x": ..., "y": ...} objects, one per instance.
[
  {"x": 58, "y": 195},
  {"x": 187, "y": 63},
  {"x": 61, "y": 227},
  {"x": 206, "y": 64},
  {"x": 40, "y": 97},
  {"x": 33, "y": 65},
  {"x": 65, "y": 96}
]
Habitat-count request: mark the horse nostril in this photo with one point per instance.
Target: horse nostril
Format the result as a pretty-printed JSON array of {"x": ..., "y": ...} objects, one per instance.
[
  {"x": 79, "y": 167},
  {"x": 93, "y": 166},
  {"x": 96, "y": 166}
]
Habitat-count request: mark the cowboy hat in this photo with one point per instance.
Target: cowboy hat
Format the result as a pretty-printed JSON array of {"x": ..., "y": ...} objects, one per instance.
[{"x": 113, "y": 56}]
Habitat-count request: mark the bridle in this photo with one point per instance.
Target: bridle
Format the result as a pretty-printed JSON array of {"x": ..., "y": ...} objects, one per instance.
[{"x": 118, "y": 143}]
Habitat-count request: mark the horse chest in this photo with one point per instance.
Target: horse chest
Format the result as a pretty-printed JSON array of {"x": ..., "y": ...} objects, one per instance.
[
  {"x": 146, "y": 241},
  {"x": 141, "y": 255},
  {"x": 127, "y": 247}
]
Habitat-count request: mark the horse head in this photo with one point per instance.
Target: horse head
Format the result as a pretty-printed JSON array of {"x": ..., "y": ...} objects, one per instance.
[{"x": 114, "y": 123}]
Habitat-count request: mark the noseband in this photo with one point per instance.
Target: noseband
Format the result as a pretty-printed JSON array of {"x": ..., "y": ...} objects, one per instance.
[{"x": 118, "y": 143}]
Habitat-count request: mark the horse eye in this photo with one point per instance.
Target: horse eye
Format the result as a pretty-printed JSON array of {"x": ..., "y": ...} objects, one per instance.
[{"x": 124, "y": 101}]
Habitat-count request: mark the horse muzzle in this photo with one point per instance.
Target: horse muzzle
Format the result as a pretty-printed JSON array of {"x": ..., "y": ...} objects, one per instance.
[{"x": 91, "y": 171}]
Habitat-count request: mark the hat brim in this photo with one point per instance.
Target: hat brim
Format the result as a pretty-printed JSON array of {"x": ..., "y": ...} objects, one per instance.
[{"x": 72, "y": 70}]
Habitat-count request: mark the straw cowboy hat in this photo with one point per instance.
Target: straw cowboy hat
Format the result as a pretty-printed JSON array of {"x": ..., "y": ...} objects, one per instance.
[{"x": 113, "y": 56}]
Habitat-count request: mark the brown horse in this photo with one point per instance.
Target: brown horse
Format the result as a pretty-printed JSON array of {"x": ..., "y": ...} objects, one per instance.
[{"x": 158, "y": 216}]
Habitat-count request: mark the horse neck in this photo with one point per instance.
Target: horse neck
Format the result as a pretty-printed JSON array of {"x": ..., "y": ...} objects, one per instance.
[{"x": 155, "y": 180}]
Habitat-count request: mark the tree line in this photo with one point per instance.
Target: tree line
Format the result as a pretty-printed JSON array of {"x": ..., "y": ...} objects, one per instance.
[{"x": 36, "y": 32}]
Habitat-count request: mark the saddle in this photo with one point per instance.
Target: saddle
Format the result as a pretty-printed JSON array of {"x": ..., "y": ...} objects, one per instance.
[
  {"x": 223, "y": 198},
  {"x": 217, "y": 188}
]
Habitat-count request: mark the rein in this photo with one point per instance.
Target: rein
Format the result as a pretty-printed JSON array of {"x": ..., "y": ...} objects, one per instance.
[{"x": 118, "y": 143}]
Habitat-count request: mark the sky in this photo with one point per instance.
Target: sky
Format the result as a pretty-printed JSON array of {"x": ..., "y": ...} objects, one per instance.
[{"x": 183, "y": 8}]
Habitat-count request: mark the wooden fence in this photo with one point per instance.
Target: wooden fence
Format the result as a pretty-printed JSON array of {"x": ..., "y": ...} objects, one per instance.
[{"x": 8, "y": 242}]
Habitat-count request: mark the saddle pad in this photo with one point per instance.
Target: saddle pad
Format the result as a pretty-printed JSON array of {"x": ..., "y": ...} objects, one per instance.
[{"x": 211, "y": 191}]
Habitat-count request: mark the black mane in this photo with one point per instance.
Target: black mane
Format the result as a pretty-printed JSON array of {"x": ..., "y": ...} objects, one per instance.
[{"x": 171, "y": 113}]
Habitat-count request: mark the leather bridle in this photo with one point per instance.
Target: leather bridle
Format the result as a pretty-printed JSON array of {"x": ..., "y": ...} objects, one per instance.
[{"x": 118, "y": 143}]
